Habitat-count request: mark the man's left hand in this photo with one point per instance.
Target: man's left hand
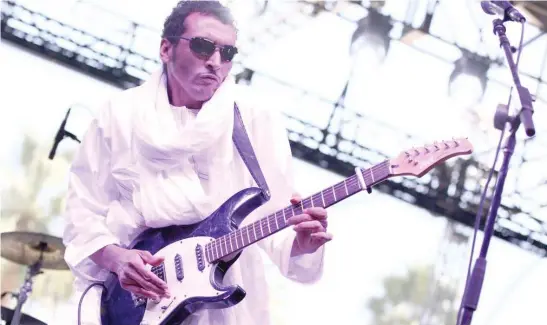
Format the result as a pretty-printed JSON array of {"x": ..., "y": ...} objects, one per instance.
[{"x": 310, "y": 227}]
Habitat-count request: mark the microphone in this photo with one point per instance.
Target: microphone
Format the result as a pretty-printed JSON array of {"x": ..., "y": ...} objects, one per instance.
[
  {"x": 61, "y": 134},
  {"x": 502, "y": 8}
]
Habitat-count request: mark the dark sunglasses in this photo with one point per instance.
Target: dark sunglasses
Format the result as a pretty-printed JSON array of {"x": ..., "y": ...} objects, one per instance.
[{"x": 205, "y": 48}]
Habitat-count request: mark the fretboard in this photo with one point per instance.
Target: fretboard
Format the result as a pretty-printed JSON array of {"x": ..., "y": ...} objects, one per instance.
[{"x": 262, "y": 228}]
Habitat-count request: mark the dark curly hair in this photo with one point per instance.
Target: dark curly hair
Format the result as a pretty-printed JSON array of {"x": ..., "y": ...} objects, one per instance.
[{"x": 174, "y": 24}]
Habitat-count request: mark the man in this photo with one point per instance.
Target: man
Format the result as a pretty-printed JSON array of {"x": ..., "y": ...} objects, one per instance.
[{"x": 162, "y": 154}]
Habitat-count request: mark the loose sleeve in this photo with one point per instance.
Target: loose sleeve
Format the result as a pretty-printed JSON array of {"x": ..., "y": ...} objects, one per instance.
[
  {"x": 90, "y": 194},
  {"x": 275, "y": 156}
]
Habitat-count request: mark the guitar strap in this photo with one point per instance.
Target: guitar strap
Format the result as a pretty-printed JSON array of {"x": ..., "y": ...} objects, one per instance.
[{"x": 245, "y": 149}]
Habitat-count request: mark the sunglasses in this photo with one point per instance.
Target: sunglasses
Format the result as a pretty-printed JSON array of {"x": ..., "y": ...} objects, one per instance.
[{"x": 205, "y": 48}]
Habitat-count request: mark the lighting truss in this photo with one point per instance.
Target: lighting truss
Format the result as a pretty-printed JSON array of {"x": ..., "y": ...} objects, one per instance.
[{"x": 451, "y": 190}]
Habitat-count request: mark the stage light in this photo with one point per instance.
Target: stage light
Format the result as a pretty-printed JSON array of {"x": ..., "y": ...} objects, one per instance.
[
  {"x": 246, "y": 10},
  {"x": 372, "y": 36},
  {"x": 467, "y": 82}
]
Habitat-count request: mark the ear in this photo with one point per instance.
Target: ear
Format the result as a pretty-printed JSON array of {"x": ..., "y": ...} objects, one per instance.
[{"x": 166, "y": 50}]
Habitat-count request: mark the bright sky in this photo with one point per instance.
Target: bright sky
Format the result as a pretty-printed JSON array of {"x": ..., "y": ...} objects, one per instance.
[{"x": 375, "y": 235}]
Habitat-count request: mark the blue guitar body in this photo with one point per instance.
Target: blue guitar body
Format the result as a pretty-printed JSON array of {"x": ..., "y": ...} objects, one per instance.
[{"x": 192, "y": 285}]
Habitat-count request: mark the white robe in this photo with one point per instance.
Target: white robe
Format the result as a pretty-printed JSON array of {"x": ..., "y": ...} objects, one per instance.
[{"x": 100, "y": 209}]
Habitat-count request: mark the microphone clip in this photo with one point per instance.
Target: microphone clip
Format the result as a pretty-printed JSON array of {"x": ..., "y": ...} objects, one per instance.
[{"x": 61, "y": 135}]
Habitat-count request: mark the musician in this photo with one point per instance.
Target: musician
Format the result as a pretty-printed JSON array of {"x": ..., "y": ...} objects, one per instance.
[{"x": 162, "y": 154}]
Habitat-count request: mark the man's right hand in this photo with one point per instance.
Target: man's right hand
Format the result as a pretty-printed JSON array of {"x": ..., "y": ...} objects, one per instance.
[{"x": 130, "y": 266}]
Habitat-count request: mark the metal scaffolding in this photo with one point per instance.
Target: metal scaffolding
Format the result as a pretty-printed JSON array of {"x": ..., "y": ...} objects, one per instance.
[{"x": 452, "y": 190}]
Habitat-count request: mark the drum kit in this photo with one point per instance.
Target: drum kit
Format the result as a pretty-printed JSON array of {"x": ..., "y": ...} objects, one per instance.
[{"x": 37, "y": 251}]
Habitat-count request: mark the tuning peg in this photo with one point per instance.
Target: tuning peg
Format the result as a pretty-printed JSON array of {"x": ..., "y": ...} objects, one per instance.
[{"x": 436, "y": 146}]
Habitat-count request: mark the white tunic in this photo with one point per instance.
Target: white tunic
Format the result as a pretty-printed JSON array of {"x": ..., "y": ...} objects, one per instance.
[{"x": 100, "y": 209}]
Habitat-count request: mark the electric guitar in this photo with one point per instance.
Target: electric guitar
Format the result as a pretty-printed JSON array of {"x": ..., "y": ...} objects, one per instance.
[{"x": 195, "y": 255}]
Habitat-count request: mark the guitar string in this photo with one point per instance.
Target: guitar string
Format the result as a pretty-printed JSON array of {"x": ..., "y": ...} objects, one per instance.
[
  {"x": 224, "y": 240},
  {"x": 352, "y": 180},
  {"x": 274, "y": 218},
  {"x": 348, "y": 181}
]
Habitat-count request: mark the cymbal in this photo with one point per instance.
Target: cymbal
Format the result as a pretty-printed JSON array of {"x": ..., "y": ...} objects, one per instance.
[
  {"x": 7, "y": 315},
  {"x": 25, "y": 248}
]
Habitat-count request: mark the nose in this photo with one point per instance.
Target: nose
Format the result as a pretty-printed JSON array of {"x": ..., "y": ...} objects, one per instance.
[{"x": 214, "y": 62}]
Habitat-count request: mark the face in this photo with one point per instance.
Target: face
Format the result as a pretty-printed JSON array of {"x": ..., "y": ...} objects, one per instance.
[{"x": 193, "y": 79}]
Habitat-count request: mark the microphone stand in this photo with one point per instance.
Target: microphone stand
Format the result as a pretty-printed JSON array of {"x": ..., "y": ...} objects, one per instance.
[
  {"x": 26, "y": 288},
  {"x": 501, "y": 118}
]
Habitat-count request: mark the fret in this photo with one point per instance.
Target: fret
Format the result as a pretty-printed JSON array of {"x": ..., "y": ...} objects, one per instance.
[
  {"x": 256, "y": 224},
  {"x": 249, "y": 234},
  {"x": 334, "y": 193},
  {"x": 276, "y": 224},
  {"x": 226, "y": 246},
  {"x": 239, "y": 239},
  {"x": 268, "y": 222},
  {"x": 220, "y": 247},
  {"x": 316, "y": 200},
  {"x": 357, "y": 184},
  {"x": 346, "y": 187},
  {"x": 229, "y": 242},
  {"x": 248, "y": 238},
  {"x": 265, "y": 225},
  {"x": 284, "y": 216},
  {"x": 242, "y": 235},
  {"x": 323, "y": 199},
  {"x": 339, "y": 192},
  {"x": 311, "y": 201},
  {"x": 216, "y": 250},
  {"x": 254, "y": 230},
  {"x": 328, "y": 196},
  {"x": 371, "y": 174},
  {"x": 296, "y": 207},
  {"x": 271, "y": 219},
  {"x": 305, "y": 204}
]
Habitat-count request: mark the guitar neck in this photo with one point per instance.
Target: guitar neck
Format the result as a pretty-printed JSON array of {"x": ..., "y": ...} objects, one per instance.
[{"x": 262, "y": 228}]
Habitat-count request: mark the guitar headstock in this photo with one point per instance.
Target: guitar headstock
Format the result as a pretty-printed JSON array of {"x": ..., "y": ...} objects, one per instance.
[{"x": 419, "y": 161}]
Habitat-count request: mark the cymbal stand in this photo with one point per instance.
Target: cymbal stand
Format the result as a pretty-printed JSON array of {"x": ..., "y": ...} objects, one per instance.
[{"x": 26, "y": 288}]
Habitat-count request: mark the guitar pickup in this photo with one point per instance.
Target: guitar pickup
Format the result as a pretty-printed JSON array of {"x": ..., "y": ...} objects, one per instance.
[
  {"x": 178, "y": 267},
  {"x": 199, "y": 257},
  {"x": 159, "y": 271}
]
